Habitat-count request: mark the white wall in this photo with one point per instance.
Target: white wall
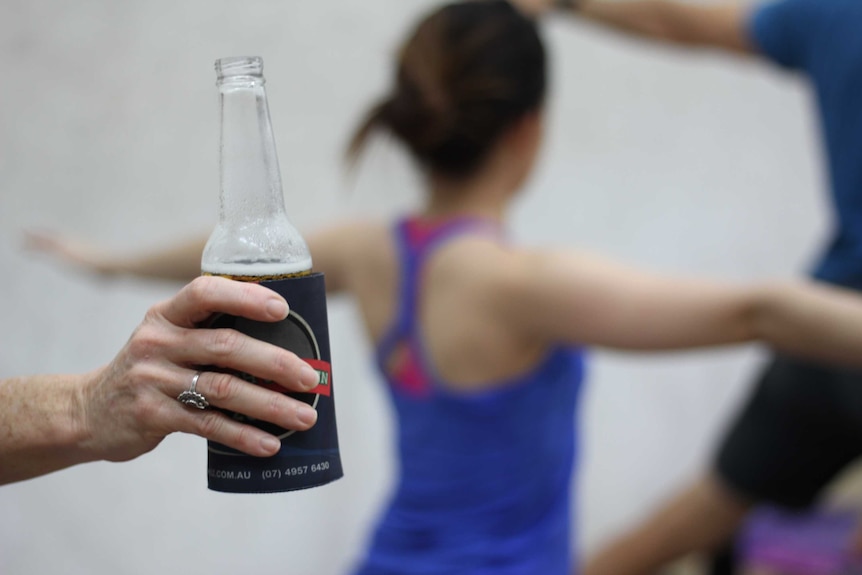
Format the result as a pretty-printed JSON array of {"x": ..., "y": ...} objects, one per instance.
[{"x": 108, "y": 125}]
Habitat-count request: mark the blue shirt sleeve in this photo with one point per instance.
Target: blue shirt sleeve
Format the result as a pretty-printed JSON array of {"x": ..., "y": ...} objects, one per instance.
[{"x": 783, "y": 30}]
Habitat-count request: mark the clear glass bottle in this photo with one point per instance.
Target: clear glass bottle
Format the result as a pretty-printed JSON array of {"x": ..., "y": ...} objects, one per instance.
[{"x": 253, "y": 240}]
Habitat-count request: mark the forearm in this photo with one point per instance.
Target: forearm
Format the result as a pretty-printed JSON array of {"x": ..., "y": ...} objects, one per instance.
[
  {"x": 699, "y": 519},
  {"x": 711, "y": 25},
  {"x": 40, "y": 426},
  {"x": 810, "y": 319},
  {"x": 180, "y": 262}
]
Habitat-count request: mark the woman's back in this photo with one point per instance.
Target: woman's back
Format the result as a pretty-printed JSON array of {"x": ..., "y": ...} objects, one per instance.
[
  {"x": 486, "y": 458},
  {"x": 460, "y": 308}
]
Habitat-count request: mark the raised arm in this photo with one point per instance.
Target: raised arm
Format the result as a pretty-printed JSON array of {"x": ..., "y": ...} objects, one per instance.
[
  {"x": 716, "y": 25},
  {"x": 720, "y": 26},
  {"x": 584, "y": 299}
]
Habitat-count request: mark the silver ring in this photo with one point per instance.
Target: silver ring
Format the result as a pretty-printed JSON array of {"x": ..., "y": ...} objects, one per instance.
[{"x": 191, "y": 397}]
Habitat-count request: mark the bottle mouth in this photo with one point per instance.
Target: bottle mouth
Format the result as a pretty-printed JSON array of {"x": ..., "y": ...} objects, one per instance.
[{"x": 239, "y": 67}]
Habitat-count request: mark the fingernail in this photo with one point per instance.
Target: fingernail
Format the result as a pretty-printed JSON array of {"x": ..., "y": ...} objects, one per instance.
[
  {"x": 277, "y": 308},
  {"x": 308, "y": 377},
  {"x": 306, "y": 414},
  {"x": 270, "y": 444}
]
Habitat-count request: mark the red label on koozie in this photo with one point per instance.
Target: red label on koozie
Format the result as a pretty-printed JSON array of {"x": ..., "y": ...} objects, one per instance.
[{"x": 324, "y": 372}]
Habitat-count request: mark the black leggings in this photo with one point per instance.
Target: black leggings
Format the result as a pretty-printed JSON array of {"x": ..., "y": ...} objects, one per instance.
[{"x": 800, "y": 427}]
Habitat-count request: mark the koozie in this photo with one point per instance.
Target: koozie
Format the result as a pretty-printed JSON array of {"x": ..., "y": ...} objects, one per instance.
[{"x": 307, "y": 458}]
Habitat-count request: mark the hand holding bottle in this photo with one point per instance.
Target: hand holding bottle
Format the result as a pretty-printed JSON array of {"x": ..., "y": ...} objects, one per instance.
[
  {"x": 131, "y": 404},
  {"x": 126, "y": 408}
]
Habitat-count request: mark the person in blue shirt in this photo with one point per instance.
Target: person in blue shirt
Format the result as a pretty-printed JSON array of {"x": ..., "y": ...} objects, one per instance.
[
  {"x": 480, "y": 342},
  {"x": 802, "y": 423}
]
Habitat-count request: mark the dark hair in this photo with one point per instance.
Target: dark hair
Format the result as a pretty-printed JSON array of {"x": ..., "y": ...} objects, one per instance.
[{"x": 465, "y": 75}]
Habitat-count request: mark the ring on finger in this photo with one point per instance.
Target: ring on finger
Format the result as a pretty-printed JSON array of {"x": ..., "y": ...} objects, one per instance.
[{"x": 191, "y": 397}]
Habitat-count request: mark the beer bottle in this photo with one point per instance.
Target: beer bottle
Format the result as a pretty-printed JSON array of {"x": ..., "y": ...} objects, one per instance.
[{"x": 254, "y": 241}]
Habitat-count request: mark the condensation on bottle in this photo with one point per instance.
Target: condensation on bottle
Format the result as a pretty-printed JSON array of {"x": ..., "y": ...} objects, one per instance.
[{"x": 254, "y": 240}]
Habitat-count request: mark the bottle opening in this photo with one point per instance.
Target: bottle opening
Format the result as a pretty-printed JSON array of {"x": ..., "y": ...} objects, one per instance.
[{"x": 239, "y": 67}]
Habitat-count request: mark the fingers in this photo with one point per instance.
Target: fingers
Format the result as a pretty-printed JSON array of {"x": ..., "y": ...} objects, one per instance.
[
  {"x": 217, "y": 426},
  {"x": 38, "y": 240},
  {"x": 232, "y": 393},
  {"x": 69, "y": 250},
  {"x": 230, "y": 349},
  {"x": 50, "y": 243},
  {"x": 222, "y": 348},
  {"x": 208, "y": 295},
  {"x": 171, "y": 333},
  {"x": 227, "y": 348}
]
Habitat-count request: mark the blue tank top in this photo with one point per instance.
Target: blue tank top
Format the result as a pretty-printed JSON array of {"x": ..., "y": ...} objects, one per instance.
[{"x": 485, "y": 477}]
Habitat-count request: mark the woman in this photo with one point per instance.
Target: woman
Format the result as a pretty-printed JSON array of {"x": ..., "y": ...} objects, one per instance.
[{"x": 481, "y": 342}]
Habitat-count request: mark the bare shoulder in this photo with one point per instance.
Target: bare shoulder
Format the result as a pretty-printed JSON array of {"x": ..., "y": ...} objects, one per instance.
[
  {"x": 528, "y": 284},
  {"x": 338, "y": 250},
  {"x": 497, "y": 274},
  {"x": 515, "y": 271},
  {"x": 351, "y": 233},
  {"x": 490, "y": 290},
  {"x": 554, "y": 274}
]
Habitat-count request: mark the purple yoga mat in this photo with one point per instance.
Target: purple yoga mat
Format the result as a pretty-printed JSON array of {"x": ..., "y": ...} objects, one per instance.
[{"x": 810, "y": 543}]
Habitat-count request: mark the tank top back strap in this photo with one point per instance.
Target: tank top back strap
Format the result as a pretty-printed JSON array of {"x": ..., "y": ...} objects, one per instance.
[{"x": 417, "y": 240}]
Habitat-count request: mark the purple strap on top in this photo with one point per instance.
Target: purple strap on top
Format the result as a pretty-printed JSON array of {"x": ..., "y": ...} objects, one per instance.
[{"x": 417, "y": 239}]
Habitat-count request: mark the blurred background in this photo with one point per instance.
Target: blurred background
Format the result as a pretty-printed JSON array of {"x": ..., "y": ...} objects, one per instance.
[{"x": 698, "y": 164}]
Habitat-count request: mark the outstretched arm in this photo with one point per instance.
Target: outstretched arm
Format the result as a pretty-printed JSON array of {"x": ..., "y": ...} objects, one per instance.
[
  {"x": 716, "y": 25},
  {"x": 331, "y": 250},
  {"x": 585, "y": 299},
  {"x": 176, "y": 262},
  {"x": 720, "y": 26},
  {"x": 126, "y": 408}
]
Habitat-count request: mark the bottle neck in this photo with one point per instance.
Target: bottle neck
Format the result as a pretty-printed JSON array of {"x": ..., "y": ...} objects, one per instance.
[
  {"x": 250, "y": 177},
  {"x": 254, "y": 237}
]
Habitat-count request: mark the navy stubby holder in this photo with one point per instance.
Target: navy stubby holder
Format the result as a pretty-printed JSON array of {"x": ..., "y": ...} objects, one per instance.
[{"x": 307, "y": 458}]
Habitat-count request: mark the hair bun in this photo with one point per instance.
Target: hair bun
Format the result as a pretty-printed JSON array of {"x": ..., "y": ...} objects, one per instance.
[
  {"x": 420, "y": 115},
  {"x": 468, "y": 71}
]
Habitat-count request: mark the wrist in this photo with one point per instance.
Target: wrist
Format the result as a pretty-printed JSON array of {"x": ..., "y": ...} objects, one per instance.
[{"x": 79, "y": 436}]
